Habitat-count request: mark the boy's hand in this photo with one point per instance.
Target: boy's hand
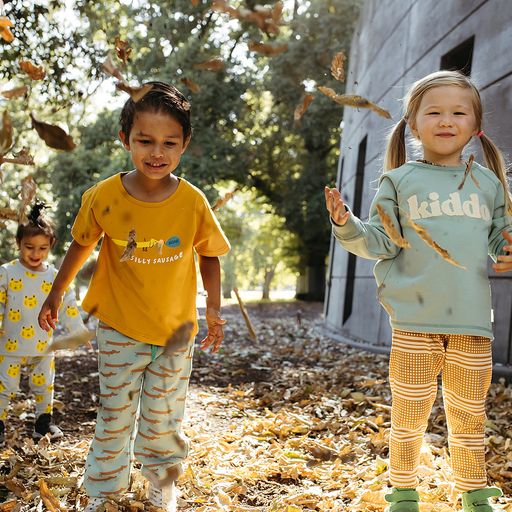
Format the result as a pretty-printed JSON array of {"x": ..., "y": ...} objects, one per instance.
[
  {"x": 505, "y": 261},
  {"x": 49, "y": 314},
  {"x": 335, "y": 206},
  {"x": 215, "y": 332}
]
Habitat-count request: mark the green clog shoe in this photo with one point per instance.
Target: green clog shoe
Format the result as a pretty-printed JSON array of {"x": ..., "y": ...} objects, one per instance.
[
  {"x": 476, "y": 501},
  {"x": 403, "y": 500}
]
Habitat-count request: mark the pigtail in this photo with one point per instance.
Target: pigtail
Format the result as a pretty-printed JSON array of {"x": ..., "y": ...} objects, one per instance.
[
  {"x": 36, "y": 214},
  {"x": 396, "y": 149},
  {"x": 494, "y": 160}
]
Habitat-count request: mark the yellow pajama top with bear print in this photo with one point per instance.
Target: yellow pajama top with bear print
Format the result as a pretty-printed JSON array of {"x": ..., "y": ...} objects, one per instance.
[{"x": 22, "y": 292}]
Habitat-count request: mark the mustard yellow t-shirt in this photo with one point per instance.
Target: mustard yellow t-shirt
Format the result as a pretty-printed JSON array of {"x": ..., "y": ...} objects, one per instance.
[{"x": 153, "y": 293}]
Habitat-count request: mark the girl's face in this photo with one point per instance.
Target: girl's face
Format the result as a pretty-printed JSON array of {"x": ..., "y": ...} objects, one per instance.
[
  {"x": 34, "y": 251},
  {"x": 155, "y": 143},
  {"x": 444, "y": 123}
]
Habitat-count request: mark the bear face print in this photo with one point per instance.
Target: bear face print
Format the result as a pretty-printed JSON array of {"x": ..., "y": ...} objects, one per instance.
[
  {"x": 3, "y": 296},
  {"x": 11, "y": 345},
  {"x": 14, "y": 315},
  {"x": 30, "y": 301},
  {"x": 72, "y": 311},
  {"x": 2, "y": 359},
  {"x": 28, "y": 332},
  {"x": 46, "y": 286},
  {"x": 41, "y": 345},
  {"x": 39, "y": 398},
  {"x": 15, "y": 284},
  {"x": 13, "y": 370},
  {"x": 30, "y": 274},
  {"x": 38, "y": 379},
  {"x": 2, "y": 387}
]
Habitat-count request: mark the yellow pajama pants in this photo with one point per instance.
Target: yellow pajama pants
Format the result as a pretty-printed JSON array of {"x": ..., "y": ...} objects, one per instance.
[{"x": 466, "y": 365}]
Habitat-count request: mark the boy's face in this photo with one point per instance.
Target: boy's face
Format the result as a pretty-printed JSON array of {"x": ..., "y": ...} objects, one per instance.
[{"x": 155, "y": 143}]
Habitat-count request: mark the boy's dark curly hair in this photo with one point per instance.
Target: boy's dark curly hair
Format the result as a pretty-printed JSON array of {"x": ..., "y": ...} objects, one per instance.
[
  {"x": 37, "y": 224},
  {"x": 161, "y": 97}
]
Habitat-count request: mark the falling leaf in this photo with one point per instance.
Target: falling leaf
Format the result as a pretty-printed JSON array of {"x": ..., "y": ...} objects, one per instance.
[
  {"x": 268, "y": 50},
  {"x": 179, "y": 339},
  {"x": 469, "y": 171},
  {"x": 194, "y": 3},
  {"x": 131, "y": 245},
  {"x": 223, "y": 200},
  {"x": 71, "y": 341},
  {"x": 391, "y": 230},
  {"x": 123, "y": 50},
  {"x": 15, "y": 93},
  {"x": 353, "y": 100},
  {"x": 28, "y": 192},
  {"x": 33, "y": 71},
  {"x": 301, "y": 108},
  {"x": 8, "y": 214},
  {"x": 190, "y": 84},
  {"x": 338, "y": 66},
  {"x": 423, "y": 234},
  {"x": 54, "y": 136},
  {"x": 111, "y": 69},
  {"x": 5, "y": 32},
  {"x": 5, "y": 134},
  {"x": 136, "y": 93},
  {"x": 389, "y": 310},
  {"x": 215, "y": 64},
  {"x": 23, "y": 157}
]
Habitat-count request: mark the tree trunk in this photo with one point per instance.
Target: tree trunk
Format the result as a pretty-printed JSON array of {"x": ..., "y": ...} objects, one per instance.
[{"x": 269, "y": 275}]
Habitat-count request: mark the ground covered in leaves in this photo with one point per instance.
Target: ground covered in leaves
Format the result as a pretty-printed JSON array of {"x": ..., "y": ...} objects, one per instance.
[{"x": 293, "y": 422}]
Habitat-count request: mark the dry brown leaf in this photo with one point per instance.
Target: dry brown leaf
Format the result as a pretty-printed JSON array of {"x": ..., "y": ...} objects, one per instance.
[
  {"x": 33, "y": 71},
  {"x": 15, "y": 93},
  {"x": 391, "y": 230},
  {"x": 131, "y": 245},
  {"x": 8, "y": 214},
  {"x": 215, "y": 64},
  {"x": 51, "y": 502},
  {"x": 267, "y": 19},
  {"x": 194, "y": 3},
  {"x": 179, "y": 339},
  {"x": 389, "y": 310},
  {"x": 338, "y": 66},
  {"x": 136, "y": 93},
  {"x": 469, "y": 171},
  {"x": 123, "y": 50},
  {"x": 190, "y": 84},
  {"x": 353, "y": 100},
  {"x": 22, "y": 157},
  {"x": 28, "y": 192},
  {"x": 424, "y": 235},
  {"x": 54, "y": 136},
  {"x": 269, "y": 50},
  {"x": 111, "y": 69},
  {"x": 223, "y": 200},
  {"x": 5, "y": 134},
  {"x": 5, "y": 32},
  {"x": 10, "y": 506},
  {"x": 301, "y": 108}
]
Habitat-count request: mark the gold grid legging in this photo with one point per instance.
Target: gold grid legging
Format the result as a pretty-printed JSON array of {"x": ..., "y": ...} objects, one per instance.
[{"x": 415, "y": 363}]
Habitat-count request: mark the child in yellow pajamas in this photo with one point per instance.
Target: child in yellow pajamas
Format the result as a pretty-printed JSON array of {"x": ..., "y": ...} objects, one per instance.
[
  {"x": 24, "y": 286},
  {"x": 436, "y": 294},
  {"x": 143, "y": 291}
]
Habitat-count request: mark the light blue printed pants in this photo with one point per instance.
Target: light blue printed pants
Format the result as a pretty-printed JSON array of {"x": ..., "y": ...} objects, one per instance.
[
  {"x": 40, "y": 379},
  {"x": 142, "y": 401}
]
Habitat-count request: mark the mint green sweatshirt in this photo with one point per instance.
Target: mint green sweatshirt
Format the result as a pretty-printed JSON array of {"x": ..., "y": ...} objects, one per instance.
[{"x": 419, "y": 289}]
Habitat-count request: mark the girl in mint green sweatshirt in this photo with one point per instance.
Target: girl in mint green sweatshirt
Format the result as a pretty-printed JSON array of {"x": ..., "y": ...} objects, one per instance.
[{"x": 431, "y": 227}]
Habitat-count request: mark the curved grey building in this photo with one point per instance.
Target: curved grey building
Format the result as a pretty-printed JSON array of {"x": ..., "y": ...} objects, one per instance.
[{"x": 395, "y": 43}]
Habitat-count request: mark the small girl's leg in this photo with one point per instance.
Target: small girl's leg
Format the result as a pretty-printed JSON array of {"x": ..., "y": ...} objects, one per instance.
[
  {"x": 121, "y": 363},
  {"x": 415, "y": 362},
  {"x": 466, "y": 380},
  {"x": 40, "y": 380},
  {"x": 10, "y": 369},
  {"x": 160, "y": 444}
]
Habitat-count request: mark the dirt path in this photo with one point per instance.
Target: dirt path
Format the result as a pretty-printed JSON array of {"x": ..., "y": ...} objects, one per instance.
[{"x": 292, "y": 422}]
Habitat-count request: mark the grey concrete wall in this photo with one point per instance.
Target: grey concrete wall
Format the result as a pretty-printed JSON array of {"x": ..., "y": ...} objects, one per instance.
[{"x": 397, "y": 42}]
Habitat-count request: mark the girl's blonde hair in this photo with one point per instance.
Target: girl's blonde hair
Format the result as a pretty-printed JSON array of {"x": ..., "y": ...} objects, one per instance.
[{"x": 396, "y": 151}]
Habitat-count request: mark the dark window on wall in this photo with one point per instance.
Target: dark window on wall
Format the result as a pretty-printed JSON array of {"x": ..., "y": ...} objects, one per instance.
[
  {"x": 356, "y": 209},
  {"x": 460, "y": 58}
]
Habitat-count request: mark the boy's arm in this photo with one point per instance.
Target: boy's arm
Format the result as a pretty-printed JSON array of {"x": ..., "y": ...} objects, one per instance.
[
  {"x": 209, "y": 266},
  {"x": 75, "y": 257}
]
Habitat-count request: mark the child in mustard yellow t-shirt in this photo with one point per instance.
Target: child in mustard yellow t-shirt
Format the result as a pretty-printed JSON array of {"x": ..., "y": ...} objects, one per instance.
[{"x": 143, "y": 292}]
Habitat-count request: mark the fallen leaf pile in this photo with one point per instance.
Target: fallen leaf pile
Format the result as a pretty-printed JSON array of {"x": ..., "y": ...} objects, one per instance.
[{"x": 291, "y": 423}]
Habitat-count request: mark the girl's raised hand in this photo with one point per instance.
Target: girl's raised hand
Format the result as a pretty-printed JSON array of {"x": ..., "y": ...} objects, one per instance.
[
  {"x": 335, "y": 206},
  {"x": 505, "y": 261}
]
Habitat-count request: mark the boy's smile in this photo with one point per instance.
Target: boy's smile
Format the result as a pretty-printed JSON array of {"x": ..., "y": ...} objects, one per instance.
[
  {"x": 156, "y": 144},
  {"x": 444, "y": 123}
]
